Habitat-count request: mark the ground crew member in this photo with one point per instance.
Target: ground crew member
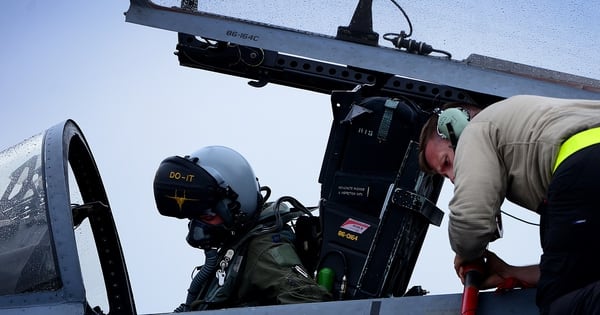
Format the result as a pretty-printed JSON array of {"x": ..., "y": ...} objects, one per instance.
[{"x": 542, "y": 154}]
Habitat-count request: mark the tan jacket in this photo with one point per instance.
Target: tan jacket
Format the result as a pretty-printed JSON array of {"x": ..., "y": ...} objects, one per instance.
[{"x": 508, "y": 151}]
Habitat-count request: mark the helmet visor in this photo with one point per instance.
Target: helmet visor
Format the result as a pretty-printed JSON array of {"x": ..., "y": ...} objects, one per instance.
[{"x": 183, "y": 189}]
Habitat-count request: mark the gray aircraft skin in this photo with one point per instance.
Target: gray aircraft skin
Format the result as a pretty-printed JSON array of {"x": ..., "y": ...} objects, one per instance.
[{"x": 54, "y": 208}]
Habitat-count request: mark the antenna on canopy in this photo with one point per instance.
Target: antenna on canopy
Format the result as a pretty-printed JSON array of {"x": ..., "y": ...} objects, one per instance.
[{"x": 360, "y": 29}]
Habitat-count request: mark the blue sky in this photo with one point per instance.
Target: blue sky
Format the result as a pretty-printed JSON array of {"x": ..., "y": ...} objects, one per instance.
[{"x": 124, "y": 87}]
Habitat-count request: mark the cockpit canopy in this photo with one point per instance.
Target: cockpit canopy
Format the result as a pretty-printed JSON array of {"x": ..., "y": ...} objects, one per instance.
[{"x": 27, "y": 256}]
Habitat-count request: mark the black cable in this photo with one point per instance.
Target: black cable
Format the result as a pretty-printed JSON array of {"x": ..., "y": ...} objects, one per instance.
[
  {"x": 519, "y": 219},
  {"x": 401, "y": 40},
  {"x": 405, "y": 16},
  {"x": 339, "y": 253},
  {"x": 443, "y": 52},
  {"x": 267, "y": 191}
]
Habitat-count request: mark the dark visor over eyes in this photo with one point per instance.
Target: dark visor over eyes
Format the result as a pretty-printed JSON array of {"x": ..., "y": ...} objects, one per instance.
[{"x": 183, "y": 189}]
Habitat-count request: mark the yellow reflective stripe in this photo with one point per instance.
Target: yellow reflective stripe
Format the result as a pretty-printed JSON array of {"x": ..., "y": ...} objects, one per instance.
[{"x": 575, "y": 143}]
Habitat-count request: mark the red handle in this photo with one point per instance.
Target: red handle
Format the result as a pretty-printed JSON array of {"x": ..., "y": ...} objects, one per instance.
[{"x": 473, "y": 276}]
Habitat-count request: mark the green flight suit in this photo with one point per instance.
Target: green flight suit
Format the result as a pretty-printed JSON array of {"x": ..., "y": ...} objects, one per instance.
[{"x": 269, "y": 272}]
